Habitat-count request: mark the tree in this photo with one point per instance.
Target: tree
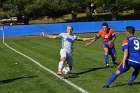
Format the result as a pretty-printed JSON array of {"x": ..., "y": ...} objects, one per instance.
[
  {"x": 117, "y": 6},
  {"x": 57, "y": 8}
]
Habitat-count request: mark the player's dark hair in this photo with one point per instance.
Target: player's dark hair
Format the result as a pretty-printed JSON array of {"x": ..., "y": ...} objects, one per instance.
[
  {"x": 130, "y": 29},
  {"x": 105, "y": 24}
]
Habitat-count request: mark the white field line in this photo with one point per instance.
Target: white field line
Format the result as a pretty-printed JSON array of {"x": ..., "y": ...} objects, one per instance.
[{"x": 61, "y": 78}]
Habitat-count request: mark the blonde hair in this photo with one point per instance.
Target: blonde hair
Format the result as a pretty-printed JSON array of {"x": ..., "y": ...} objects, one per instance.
[{"x": 70, "y": 27}]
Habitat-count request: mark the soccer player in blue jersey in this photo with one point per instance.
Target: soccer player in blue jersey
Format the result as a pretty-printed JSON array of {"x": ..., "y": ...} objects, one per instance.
[
  {"x": 67, "y": 47},
  {"x": 131, "y": 57}
]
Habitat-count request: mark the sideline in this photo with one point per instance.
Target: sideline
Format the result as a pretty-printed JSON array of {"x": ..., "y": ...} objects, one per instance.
[{"x": 61, "y": 78}]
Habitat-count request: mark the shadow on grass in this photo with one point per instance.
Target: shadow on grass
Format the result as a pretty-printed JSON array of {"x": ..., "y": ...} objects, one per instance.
[
  {"x": 74, "y": 75},
  {"x": 136, "y": 83},
  {"x": 14, "y": 79}
]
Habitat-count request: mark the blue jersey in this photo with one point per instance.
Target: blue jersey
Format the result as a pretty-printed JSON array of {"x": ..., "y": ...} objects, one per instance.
[{"x": 132, "y": 43}]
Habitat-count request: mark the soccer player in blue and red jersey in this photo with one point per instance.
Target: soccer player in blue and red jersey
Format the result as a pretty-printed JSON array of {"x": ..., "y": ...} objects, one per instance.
[
  {"x": 131, "y": 57},
  {"x": 108, "y": 37}
]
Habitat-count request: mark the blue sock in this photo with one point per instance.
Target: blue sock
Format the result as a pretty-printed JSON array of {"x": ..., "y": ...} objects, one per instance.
[
  {"x": 134, "y": 76},
  {"x": 106, "y": 58},
  {"x": 111, "y": 79}
]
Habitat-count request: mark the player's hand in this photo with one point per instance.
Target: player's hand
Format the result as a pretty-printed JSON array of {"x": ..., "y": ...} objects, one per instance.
[
  {"x": 110, "y": 44},
  {"x": 88, "y": 44},
  {"x": 123, "y": 64},
  {"x": 42, "y": 34}
]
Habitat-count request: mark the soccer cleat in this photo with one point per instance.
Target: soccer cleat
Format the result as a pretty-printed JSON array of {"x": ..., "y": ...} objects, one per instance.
[
  {"x": 59, "y": 72},
  {"x": 105, "y": 86},
  {"x": 130, "y": 84}
]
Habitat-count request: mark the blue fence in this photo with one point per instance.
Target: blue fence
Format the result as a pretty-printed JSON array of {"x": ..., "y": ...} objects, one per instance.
[{"x": 79, "y": 27}]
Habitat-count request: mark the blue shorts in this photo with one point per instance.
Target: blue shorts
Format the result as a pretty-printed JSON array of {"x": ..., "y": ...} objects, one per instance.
[
  {"x": 126, "y": 67},
  {"x": 128, "y": 64},
  {"x": 111, "y": 50}
]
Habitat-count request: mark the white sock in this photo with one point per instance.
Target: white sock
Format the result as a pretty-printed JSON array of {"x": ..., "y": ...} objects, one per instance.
[{"x": 60, "y": 65}]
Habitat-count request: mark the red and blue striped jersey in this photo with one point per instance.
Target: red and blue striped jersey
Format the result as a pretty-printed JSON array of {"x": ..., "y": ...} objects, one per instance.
[{"x": 106, "y": 36}]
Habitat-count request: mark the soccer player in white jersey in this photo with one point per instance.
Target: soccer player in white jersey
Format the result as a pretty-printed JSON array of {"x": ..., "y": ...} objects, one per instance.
[{"x": 67, "y": 47}]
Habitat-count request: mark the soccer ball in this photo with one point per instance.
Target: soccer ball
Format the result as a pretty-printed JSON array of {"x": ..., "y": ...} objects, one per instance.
[{"x": 66, "y": 70}]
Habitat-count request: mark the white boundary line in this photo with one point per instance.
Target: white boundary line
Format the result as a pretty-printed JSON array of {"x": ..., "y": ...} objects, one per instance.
[{"x": 61, "y": 78}]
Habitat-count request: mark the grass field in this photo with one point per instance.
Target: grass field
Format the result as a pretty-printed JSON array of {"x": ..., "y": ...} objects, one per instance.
[{"x": 20, "y": 75}]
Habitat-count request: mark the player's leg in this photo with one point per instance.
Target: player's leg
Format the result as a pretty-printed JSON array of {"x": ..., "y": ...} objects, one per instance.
[
  {"x": 135, "y": 72},
  {"x": 116, "y": 74},
  {"x": 106, "y": 58},
  {"x": 69, "y": 61},
  {"x": 112, "y": 78},
  {"x": 133, "y": 77},
  {"x": 63, "y": 55},
  {"x": 112, "y": 52},
  {"x": 113, "y": 55},
  {"x": 106, "y": 50}
]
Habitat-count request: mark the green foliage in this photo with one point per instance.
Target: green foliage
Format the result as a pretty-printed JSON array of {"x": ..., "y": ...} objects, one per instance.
[
  {"x": 57, "y": 8},
  {"x": 4, "y": 14}
]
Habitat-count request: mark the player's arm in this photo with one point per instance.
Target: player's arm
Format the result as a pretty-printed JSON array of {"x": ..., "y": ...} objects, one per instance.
[
  {"x": 125, "y": 54},
  {"x": 94, "y": 38},
  {"x": 111, "y": 41},
  {"x": 49, "y": 36},
  {"x": 125, "y": 51},
  {"x": 113, "y": 37},
  {"x": 92, "y": 41},
  {"x": 85, "y": 39}
]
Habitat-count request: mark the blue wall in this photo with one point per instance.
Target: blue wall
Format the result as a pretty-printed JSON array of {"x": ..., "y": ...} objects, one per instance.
[{"x": 79, "y": 27}]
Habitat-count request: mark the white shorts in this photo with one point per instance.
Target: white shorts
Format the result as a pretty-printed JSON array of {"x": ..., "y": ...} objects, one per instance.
[{"x": 68, "y": 55}]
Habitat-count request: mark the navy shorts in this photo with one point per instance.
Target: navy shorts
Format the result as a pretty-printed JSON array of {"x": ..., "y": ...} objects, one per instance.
[
  {"x": 128, "y": 64},
  {"x": 111, "y": 50}
]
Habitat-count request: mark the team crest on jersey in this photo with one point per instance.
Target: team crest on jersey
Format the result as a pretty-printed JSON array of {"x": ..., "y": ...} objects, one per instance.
[
  {"x": 69, "y": 40},
  {"x": 106, "y": 36}
]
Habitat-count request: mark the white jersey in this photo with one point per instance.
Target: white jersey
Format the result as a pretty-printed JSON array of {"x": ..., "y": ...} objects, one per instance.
[{"x": 68, "y": 40}]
